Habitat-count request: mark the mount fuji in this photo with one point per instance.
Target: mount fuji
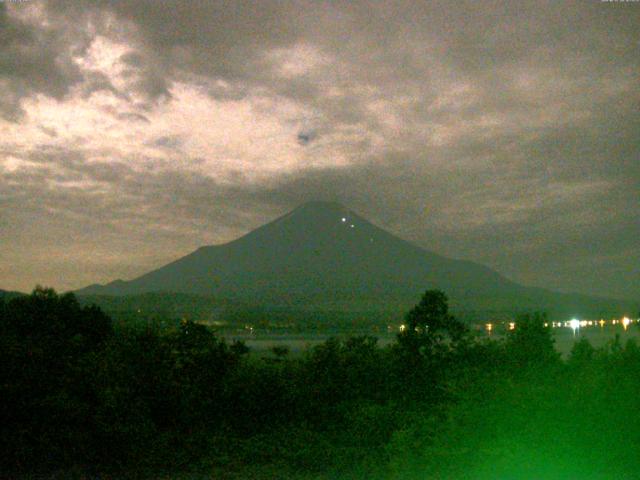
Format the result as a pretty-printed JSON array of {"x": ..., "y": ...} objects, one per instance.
[{"x": 324, "y": 254}]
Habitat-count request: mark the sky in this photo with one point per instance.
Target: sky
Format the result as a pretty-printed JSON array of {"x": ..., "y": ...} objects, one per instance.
[{"x": 506, "y": 133}]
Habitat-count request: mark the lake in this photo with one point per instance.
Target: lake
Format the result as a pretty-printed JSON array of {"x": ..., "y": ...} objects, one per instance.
[{"x": 263, "y": 342}]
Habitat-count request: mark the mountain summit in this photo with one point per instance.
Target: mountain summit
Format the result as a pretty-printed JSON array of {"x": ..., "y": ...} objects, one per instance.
[
  {"x": 322, "y": 253},
  {"x": 318, "y": 250}
]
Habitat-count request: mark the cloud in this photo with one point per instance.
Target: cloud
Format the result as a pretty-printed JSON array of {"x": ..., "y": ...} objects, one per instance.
[
  {"x": 171, "y": 142},
  {"x": 306, "y": 137},
  {"x": 136, "y": 117},
  {"x": 498, "y": 132},
  {"x": 36, "y": 56}
]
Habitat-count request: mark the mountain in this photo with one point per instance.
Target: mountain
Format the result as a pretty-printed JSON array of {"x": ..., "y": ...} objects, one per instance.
[{"x": 322, "y": 254}]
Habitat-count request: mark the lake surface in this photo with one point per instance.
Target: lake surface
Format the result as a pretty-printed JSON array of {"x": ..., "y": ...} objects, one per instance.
[{"x": 262, "y": 342}]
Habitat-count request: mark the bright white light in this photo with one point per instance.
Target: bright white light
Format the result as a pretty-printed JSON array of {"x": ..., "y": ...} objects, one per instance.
[
  {"x": 625, "y": 322},
  {"x": 352, "y": 225},
  {"x": 574, "y": 324},
  {"x": 344, "y": 219}
]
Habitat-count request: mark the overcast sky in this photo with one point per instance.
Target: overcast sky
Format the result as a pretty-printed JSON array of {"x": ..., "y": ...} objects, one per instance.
[{"x": 134, "y": 131}]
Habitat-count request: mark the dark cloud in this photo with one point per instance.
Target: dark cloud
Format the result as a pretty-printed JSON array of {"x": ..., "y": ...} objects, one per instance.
[
  {"x": 133, "y": 116},
  {"x": 34, "y": 59},
  {"x": 171, "y": 142},
  {"x": 96, "y": 82},
  {"x": 49, "y": 131},
  {"x": 306, "y": 137}
]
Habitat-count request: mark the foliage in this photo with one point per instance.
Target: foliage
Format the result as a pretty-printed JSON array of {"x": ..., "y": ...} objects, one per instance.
[
  {"x": 81, "y": 397},
  {"x": 531, "y": 343},
  {"x": 430, "y": 328},
  {"x": 46, "y": 343}
]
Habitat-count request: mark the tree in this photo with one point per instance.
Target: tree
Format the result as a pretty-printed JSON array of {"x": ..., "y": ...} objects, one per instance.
[
  {"x": 49, "y": 344},
  {"x": 582, "y": 353},
  {"x": 429, "y": 327},
  {"x": 239, "y": 348},
  {"x": 280, "y": 351},
  {"x": 532, "y": 343}
]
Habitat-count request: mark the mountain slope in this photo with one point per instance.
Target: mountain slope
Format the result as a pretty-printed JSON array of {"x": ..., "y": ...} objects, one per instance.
[
  {"x": 322, "y": 253},
  {"x": 315, "y": 250}
]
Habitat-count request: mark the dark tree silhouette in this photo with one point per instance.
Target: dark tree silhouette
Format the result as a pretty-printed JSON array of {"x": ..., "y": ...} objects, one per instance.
[
  {"x": 582, "y": 353},
  {"x": 47, "y": 342},
  {"x": 280, "y": 351},
  {"x": 532, "y": 343},
  {"x": 429, "y": 325}
]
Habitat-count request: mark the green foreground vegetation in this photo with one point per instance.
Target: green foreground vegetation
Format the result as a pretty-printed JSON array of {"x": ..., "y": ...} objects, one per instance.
[{"x": 80, "y": 397}]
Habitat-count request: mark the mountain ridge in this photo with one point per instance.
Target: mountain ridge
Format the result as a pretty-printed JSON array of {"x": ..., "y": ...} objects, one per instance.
[{"x": 324, "y": 253}]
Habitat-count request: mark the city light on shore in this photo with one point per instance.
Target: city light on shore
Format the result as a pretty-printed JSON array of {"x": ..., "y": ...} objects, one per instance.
[{"x": 574, "y": 324}]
